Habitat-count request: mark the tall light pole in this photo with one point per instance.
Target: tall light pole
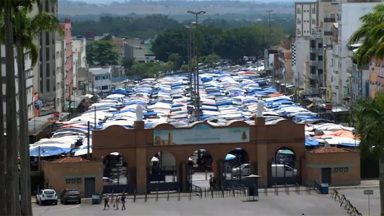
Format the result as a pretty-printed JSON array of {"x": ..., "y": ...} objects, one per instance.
[
  {"x": 189, "y": 51},
  {"x": 269, "y": 43},
  {"x": 197, "y": 93}
]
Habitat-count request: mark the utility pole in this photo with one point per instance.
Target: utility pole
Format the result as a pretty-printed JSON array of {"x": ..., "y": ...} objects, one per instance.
[
  {"x": 197, "y": 90},
  {"x": 269, "y": 44}
]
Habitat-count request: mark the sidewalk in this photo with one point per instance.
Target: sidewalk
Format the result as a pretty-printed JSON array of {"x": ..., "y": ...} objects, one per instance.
[{"x": 363, "y": 184}]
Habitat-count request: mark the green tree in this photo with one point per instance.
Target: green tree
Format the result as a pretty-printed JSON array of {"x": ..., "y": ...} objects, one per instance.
[
  {"x": 370, "y": 35},
  {"x": 102, "y": 53},
  {"x": 176, "y": 60},
  {"x": 369, "y": 118},
  {"x": 211, "y": 59},
  {"x": 127, "y": 63}
]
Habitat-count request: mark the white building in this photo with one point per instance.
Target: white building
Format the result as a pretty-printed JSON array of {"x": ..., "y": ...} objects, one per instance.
[
  {"x": 60, "y": 96},
  {"x": 28, "y": 76},
  {"x": 101, "y": 79},
  {"x": 80, "y": 78},
  {"x": 341, "y": 65},
  {"x": 306, "y": 17}
]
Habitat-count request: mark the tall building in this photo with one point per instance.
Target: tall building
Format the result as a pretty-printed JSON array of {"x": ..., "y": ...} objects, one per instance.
[
  {"x": 80, "y": 74},
  {"x": 340, "y": 64},
  {"x": 60, "y": 96},
  {"x": 28, "y": 76},
  {"x": 44, "y": 80},
  {"x": 306, "y": 18},
  {"x": 68, "y": 63}
]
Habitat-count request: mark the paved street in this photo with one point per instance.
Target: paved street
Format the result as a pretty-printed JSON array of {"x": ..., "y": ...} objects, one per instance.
[{"x": 282, "y": 204}]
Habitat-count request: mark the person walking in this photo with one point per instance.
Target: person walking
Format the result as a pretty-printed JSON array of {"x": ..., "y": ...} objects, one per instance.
[
  {"x": 123, "y": 201},
  {"x": 106, "y": 202},
  {"x": 117, "y": 200},
  {"x": 112, "y": 200},
  {"x": 212, "y": 182}
]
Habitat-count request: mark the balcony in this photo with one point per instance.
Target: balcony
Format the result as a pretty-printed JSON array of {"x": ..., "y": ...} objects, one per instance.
[{"x": 329, "y": 20}]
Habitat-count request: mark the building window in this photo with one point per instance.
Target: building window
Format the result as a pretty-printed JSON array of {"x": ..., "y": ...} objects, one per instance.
[
  {"x": 313, "y": 10},
  {"x": 41, "y": 85},
  {"x": 313, "y": 57},
  {"x": 47, "y": 73},
  {"x": 104, "y": 87},
  {"x": 47, "y": 38},
  {"x": 298, "y": 21},
  {"x": 47, "y": 53},
  {"x": 298, "y": 31},
  {"x": 320, "y": 58},
  {"x": 313, "y": 70},
  {"x": 298, "y": 11},
  {"x": 73, "y": 180},
  {"x": 341, "y": 169},
  {"x": 320, "y": 71},
  {"x": 313, "y": 21},
  {"x": 48, "y": 86}
]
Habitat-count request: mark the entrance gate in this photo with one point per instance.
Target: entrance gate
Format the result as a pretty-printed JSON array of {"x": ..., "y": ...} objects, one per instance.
[
  {"x": 234, "y": 175},
  {"x": 282, "y": 174},
  {"x": 162, "y": 178}
]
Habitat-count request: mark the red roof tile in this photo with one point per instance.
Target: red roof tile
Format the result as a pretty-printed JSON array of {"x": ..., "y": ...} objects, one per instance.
[{"x": 327, "y": 150}]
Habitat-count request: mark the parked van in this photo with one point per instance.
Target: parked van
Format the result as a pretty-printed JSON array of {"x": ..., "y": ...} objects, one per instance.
[{"x": 283, "y": 170}]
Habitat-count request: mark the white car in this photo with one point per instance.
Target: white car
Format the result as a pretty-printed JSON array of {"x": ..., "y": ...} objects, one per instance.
[
  {"x": 46, "y": 196},
  {"x": 242, "y": 170}
]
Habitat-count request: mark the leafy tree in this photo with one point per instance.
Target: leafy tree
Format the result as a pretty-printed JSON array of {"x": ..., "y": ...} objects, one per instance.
[
  {"x": 211, "y": 59},
  {"x": 127, "y": 63},
  {"x": 102, "y": 53},
  {"x": 369, "y": 117},
  {"x": 370, "y": 34},
  {"x": 123, "y": 26},
  {"x": 176, "y": 60}
]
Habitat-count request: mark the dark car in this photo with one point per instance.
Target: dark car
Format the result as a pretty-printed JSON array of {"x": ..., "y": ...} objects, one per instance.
[{"x": 70, "y": 196}]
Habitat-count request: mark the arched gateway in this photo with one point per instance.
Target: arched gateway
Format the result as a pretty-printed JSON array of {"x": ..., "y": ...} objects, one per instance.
[{"x": 143, "y": 149}]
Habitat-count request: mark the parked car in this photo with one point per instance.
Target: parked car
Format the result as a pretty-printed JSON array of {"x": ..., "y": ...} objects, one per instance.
[
  {"x": 46, "y": 196},
  {"x": 242, "y": 170},
  {"x": 283, "y": 170},
  {"x": 70, "y": 196},
  {"x": 107, "y": 181}
]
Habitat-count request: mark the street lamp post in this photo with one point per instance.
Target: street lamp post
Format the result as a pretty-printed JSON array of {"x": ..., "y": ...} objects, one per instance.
[{"x": 197, "y": 90}]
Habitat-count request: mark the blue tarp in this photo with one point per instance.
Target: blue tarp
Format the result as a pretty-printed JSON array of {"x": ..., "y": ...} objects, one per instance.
[{"x": 46, "y": 151}]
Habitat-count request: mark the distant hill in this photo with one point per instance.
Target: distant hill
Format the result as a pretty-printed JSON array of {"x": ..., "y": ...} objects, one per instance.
[{"x": 176, "y": 9}]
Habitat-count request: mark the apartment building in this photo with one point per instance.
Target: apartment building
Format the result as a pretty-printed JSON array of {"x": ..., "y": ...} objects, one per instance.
[
  {"x": 44, "y": 80},
  {"x": 68, "y": 63},
  {"x": 306, "y": 18},
  {"x": 28, "y": 75},
  {"x": 341, "y": 65},
  {"x": 80, "y": 74},
  {"x": 60, "y": 96}
]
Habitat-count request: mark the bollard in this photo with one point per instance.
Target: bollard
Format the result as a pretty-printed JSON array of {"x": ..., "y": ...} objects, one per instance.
[
  {"x": 276, "y": 190},
  {"x": 287, "y": 189},
  {"x": 266, "y": 191},
  {"x": 233, "y": 192},
  {"x": 178, "y": 197},
  {"x": 201, "y": 194},
  {"x": 205, "y": 192},
  {"x": 190, "y": 194},
  {"x": 222, "y": 192},
  {"x": 212, "y": 194},
  {"x": 168, "y": 195},
  {"x": 134, "y": 196},
  {"x": 157, "y": 194},
  {"x": 145, "y": 197}
]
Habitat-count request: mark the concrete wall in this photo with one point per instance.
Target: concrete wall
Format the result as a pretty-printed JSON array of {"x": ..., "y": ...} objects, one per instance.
[
  {"x": 345, "y": 167},
  {"x": 56, "y": 173}
]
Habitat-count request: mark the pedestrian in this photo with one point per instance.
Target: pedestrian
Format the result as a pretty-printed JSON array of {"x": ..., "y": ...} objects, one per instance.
[
  {"x": 113, "y": 201},
  {"x": 212, "y": 182},
  {"x": 106, "y": 202},
  {"x": 117, "y": 200},
  {"x": 123, "y": 202}
]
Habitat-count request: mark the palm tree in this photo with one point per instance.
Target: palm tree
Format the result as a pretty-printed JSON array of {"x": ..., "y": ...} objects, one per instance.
[
  {"x": 369, "y": 117},
  {"x": 12, "y": 180},
  {"x": 370, "y": 36},
  {"x": 2, "y": 143},
  {"x": 26, "y": 29}
]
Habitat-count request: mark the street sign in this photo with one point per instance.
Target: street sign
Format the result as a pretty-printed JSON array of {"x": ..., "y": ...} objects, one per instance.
[{"x": 368, "y": 192}]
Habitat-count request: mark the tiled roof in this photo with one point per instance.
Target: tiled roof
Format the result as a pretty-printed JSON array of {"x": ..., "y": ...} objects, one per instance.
[
  {"x": 327, "y": 150},
  {"x": 71, "y": 160}
]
